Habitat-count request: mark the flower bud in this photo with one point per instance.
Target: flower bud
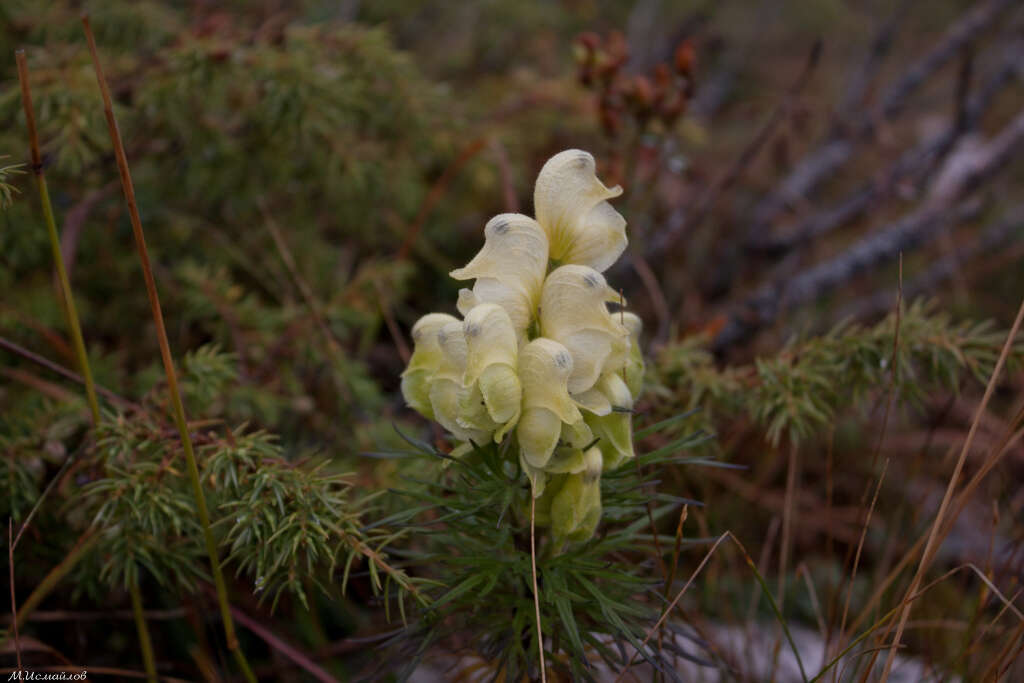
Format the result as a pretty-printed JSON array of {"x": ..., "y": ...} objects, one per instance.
[{"x": 576, "y": 507}]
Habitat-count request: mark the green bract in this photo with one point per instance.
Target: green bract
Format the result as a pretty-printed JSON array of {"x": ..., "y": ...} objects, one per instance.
[{"x": 539, "y": 358}]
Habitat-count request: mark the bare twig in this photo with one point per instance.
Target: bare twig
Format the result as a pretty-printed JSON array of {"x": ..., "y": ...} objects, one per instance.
[
  {"x": 773, "y": 299},
  {"x": 910, "y": 165},
  {"x": 837, "y": 151},
  {"x": 854, "y": 97},
  {"x": 997, "y": 234}
]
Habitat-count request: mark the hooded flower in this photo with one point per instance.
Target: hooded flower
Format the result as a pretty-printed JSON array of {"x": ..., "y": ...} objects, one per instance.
[
  {"x": 573, "y": 312},
  {"x": 581, "y": 226},
  {"x": 426, "y": 358},
  {"x": 549, "y": 414},
  {"x": 491, "y": 373},
  {"x": 509, "y": 270},
  {"x": 449, "y": 395}
]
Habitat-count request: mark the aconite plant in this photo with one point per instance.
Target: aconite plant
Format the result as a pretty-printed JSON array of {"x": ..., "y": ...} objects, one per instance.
[{"x": 539, "y": 362}]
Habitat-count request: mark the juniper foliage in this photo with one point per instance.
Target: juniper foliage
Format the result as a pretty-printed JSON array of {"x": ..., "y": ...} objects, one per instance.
[{"x": 797, "y": 393}]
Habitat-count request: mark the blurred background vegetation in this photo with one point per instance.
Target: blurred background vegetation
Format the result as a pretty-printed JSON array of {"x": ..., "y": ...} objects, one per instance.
[{"x": 309, "y": 172}]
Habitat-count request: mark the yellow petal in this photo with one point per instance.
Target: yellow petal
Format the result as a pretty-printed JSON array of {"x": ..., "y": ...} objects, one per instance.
[
  {"x": 538, "y": 432},
  {"x": 617, "y": 392},
  {"x": 593, "y": 401},
  {"x": 503, "y": 397},
  {"x": 614, "y": 430},
  {"x": 517, "y": 303},
  {"x": 601, "y": 240},
  {"x": 515, "y": 252},
  {"x": 567, "y": 198}
]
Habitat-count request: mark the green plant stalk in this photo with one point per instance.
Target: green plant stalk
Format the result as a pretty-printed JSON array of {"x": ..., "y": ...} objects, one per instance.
[
  {"x": 51, "y": 228},
  {"x": 168, "y": 363},
  {"x": 74, "y": 324},
  {"x": 140, "y": 625}
]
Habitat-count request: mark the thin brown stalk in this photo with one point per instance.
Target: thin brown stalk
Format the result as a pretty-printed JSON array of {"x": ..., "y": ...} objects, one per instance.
[
  {"x": 435, "y": 194},
  {"x": 389, "y": 322},
  {"x": 536, "y": 593},
  {"x": 19, "y": 350},
  {"x": 930, "y": 545},
  {"x": 802, "y": 570},
  {"x": 683, "y": 514},
  {"x": 860, "y": 547},
  {"x": 316, "y": 310},
  {"x": 505, "y": 168},
  {"x": 299, "y": 658},
  {"x": 165, "y": 354}
]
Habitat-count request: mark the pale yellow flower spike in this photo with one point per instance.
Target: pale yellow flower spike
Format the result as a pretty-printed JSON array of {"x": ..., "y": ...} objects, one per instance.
[
  {"x": 573, "y": 312},
  {"x": 509, "y": 270},
  {"x": 570, "y": 204},
  {"x": 426, "y": 358},
  {"x": 544, "y": 368},
  {"x": 491, "y": 364}
]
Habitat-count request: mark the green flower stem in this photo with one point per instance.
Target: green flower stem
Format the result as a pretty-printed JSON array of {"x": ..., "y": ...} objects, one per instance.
[
  {"x": 51, "y": 228},
  {"x": 168, "y": 363},
  {"x": 74, "y": 324},
  {"x": 140, "y": 625}
]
